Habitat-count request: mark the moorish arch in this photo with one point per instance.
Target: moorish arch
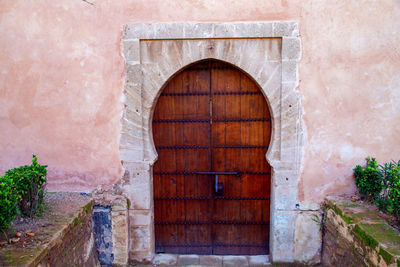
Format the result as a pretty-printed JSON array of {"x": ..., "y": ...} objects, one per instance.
[
  {"x": 211, "y": 129},
  {"x": 268, "y": 53}
]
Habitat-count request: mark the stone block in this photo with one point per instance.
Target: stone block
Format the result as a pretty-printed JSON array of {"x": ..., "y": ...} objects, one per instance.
[
  {"x": 274, "y": 49},
  {"x": 259, "y": 260},
  {"x": 308, "y": 237},
  {"x": 141, "y": 256},
  {"x": 130, "y": 154},
  {"x": 286, "y": 197},
  {"x": 288, "y": 87},
  {"x": 133, "y": 74},
  {"x": 286, "y": 177},
  {"x": 132, "y": 101},
  {"x": 129, "y": 126},
  {"x": 150, "y": 51},
  {"x": 243, "y": 29},
  {"x": 290, "y": 100},
  {"x": 283, "y": 218},
  {"x": 135, "y": 166},
  {"x": 210, "y": 260},
  {"x": 130, "y": 115},
  {"x": 191, "y": 53},
  {"x": 134, "y": 90},
  {"x": 139, "y": 192},
  {"x": 291, "y": 48},
  {"x": 131, "y": 50},
  {"x": 310, "y": 206},
  {"x": 234, "y": 261},
  {"x": 135, "y": 31},
  {"x": 140, "y": 217},
  {"x": 289, "y": 71},
  {"x": 271, "y": 84},
  {"x": 129, "y": 141},
  {"x": 172, "y": 30},
  {"x": 198, "y": 30},
  {"x": 120, "y": 236},
  {"x": 166, "y": 259},
  {"x": 285, "y": 28},
  {"x": 289, "y": 141},
  {"x": 141, "y": 238},
  {"x": 290, "y": 153},
  {"x": 282, "y": 249},
  {"x": 188, "y": 260},
  {"x": 268, "y": 74}
]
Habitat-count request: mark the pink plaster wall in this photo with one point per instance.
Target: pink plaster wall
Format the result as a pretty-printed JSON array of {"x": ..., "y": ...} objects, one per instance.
[{"x": 61, "y": 78}]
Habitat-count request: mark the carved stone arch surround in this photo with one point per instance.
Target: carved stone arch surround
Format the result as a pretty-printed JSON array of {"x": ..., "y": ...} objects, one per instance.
[{"x": 268, "y": 52}]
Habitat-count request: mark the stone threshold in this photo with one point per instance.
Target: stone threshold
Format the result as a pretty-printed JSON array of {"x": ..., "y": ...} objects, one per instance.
[{"x": 210, "y": 260}]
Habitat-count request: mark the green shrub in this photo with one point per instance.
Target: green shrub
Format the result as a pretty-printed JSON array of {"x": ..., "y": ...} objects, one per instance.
[
  {"x": 380, "y": 184},
  {"x": 368, "y": 179},
  {"x": 387, "y": 199},
  {"x": 29, "y": 182},
  {"x": 395, "y": 198},
  {"x": 393, "y": 191},
  {"x": 8, "y": 201}
]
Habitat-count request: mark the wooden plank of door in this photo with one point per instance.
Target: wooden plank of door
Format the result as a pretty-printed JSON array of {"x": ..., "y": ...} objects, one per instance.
[
  {"x": 226, "y": 80},
  {"x": 197, "y": 80},
  {"x": 164, "y": 186}
]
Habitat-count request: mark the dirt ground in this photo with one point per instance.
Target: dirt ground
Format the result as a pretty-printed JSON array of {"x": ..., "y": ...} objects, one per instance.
[{"x": 28, "y": 232}]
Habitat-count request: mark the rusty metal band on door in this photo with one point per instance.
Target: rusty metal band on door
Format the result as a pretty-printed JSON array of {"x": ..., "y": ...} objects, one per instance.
[{"x": 211, "y": 128}]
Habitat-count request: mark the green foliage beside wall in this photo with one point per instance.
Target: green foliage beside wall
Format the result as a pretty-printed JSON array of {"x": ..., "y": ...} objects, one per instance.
[
  {"x": 368, "y": 179},
  {"x": 8, "y": 201},
  {"x": 22, "y": 188},
  {"x": 380, "y": 184}
]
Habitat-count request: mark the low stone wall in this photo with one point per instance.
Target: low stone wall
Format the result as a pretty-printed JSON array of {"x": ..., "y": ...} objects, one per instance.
[
  {"x": 66, "y": 239},
  {"x": 75, "y": 245},
  {"x": 355, "y": 235}
]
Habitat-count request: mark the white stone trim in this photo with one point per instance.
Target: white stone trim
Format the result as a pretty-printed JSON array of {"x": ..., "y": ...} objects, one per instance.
[{"x": 144, "y": 81}]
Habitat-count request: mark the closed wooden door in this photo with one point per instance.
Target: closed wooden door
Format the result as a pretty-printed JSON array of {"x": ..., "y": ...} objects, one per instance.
[{"x": 211, "y": 128}]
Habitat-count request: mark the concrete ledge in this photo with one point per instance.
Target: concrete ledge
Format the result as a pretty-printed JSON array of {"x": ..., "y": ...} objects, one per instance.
[
  {"x": 66, "y": 240},
  {"x": 356, "y": 236}
]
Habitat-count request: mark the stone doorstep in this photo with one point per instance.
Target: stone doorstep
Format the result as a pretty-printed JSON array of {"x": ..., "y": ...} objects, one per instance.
[{"x": 210, "y": 260}]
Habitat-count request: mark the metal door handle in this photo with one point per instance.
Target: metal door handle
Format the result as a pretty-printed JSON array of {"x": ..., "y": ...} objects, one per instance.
[
  {"x": 219, "y": 187},
  {"x": 216, "y": 183}
]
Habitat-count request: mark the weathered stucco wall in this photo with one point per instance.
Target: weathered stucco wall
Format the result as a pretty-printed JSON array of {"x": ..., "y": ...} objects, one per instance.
[{"x": 61, "y": 81}]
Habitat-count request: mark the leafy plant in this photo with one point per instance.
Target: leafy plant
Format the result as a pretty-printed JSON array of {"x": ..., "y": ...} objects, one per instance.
[
  {"x": 390, "y": 174},
  {"x": 380, "y": 184},
  {"x": 29, "y": 182},
  {"x": 8, "y": 201},
  {"x": 369, "y": 179},
  {"x": 394, "y": 196}
]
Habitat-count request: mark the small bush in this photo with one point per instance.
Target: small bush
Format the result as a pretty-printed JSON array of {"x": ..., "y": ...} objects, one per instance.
[
  {"x": 394, "y": 196},
  {"x": 368, "y": 179},
  {"x": 380, "y": 184},
  {"x": 8, "y": 201},
  {"x": 29, "y": 182}
]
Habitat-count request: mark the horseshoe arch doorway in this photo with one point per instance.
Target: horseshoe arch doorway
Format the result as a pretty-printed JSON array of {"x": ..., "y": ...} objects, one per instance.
[{"x": 212, "y": 182}]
